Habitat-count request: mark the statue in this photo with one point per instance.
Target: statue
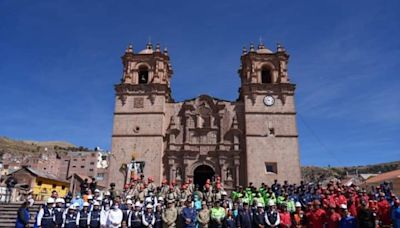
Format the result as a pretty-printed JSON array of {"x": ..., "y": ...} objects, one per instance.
[
  {"x": 178, "y": 173},
  {"x": 229, "y": 174}
]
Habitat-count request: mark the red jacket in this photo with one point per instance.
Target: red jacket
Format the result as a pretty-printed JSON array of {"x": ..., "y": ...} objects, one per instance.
[
  {"x": 384, "y": 212},
  {"x": 285, "y": 219},
  {"x": 333, "y": 220},
  {"x": 318, "y": 218}
]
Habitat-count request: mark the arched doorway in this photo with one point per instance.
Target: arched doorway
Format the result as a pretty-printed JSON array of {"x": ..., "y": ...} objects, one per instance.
[{"x": 201, "y": 174}]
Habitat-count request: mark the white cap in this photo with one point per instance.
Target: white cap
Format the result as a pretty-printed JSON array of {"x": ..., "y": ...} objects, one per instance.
[
  {"x": 60, "y": 200},
  {"x": 271, "y": 203},
  {"x": 107, "y": 193},
  {"x": 160, "y": 198},
  {"x": 224, "y": 193},
  {"x": 72, "y": 207},
  {"x": 138, "y": 204},
  {"x": 86, "y": 204},
  {"x": 343, "y": 206},
  {"x": 97, "y": 190},
  {"x": 90, "y": 197},
  {"x": 128, "y": 197},
  {"x": 297, "y": 204},
  {"x": 129, "y": 202},
  {"x": 50, "y": 200},
  {"x": 96, "y": 203},
  {"x": 149, "y": 205},
  {"x": 259, "y": 205}
]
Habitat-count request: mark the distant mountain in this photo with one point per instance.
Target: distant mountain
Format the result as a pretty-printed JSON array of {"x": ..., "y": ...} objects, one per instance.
[
  {"x": 315, "y": 173},
  {"x": 25, "y": 147}
]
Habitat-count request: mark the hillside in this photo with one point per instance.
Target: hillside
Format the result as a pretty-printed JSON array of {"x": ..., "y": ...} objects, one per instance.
[
  {"x": 8, "y": 145},
  {"x": 314, "y": 173}
]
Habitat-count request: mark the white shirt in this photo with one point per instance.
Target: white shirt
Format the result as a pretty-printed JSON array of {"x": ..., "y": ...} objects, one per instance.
[
  {"x": 104, "y": 217},
  {"x": 114, "y": 218}
]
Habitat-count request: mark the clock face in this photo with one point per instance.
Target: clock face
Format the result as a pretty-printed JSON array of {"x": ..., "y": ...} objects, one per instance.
[{"x": 269, "y": 100}]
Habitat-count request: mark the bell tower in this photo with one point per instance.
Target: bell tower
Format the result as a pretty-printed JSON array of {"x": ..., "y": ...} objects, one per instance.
[
  {"x": 271, "y": 136},
  {"x": 140, "y": 106}
]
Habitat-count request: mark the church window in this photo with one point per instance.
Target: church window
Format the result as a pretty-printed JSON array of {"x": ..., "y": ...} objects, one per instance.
[
  {"x": 271, "y": 167},
  {"x": 143, "y": 75},
  {"x": 266, "y": 77}
]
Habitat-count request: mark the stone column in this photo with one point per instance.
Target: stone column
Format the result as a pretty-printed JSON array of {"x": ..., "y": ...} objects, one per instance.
[
  {"x": 222, "y": 160},
  {"x": 186, "y": 168},
  {"x": 172, "y": 169},
  {"x": 237, "y": 169}
]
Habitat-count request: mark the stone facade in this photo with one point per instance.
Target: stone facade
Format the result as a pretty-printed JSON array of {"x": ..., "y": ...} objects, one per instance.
[{"x": 253, "y": 139}]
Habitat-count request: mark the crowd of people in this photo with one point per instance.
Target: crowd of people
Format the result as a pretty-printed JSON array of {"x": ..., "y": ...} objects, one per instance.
[{"x": 144, "y": 204}]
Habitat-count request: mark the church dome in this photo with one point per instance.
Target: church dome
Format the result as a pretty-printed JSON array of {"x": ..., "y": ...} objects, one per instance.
[
  {"x": 147, "y": 50},
  {"x": 263, "y": 50}
]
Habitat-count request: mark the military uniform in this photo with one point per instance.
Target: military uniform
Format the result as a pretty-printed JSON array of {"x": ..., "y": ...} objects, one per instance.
[
  {"x": 169, "y": 217},
  {"x": 203, "y": 217}
]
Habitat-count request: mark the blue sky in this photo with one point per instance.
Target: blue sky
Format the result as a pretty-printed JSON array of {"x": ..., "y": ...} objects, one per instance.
[{"x": 59, "y": 61}]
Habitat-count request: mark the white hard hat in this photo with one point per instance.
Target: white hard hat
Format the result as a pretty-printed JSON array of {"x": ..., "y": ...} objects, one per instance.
[
  {"x": 96, "y": 203},
  {"x": 138, "y": 204},
  {"x": 224, "y": 193},
  {"x": 260, "y": 205},
  {"x": 60, "y": 200},
  {"x": 160, "y": 198},
  {"x": 90, "y": 197},
  {"x": 297, "y": 204},
  {"x": 72, "y": 207},
  {"x": 97, "y": 190},
  {"x": 86, "y": 204},
  {"x": 76, "y": 204},
  {"x": 50, "y": 200},
  {"x": 107, "y": 193},
  {"x": 128, "y": 197},
  {"x": 343, "y": 206},
  {"x": 129, "y": 202},
  {"x": 149, "y": 205},
  {"x": 271, "y": 203}
]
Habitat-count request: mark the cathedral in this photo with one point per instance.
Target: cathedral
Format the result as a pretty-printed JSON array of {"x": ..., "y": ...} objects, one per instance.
[{"x": 252, "y": 139}]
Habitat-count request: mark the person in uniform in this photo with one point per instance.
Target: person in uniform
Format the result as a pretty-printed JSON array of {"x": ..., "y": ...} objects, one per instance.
[
  {"x": 59, "y": 212},
  {"x": 82, "y": 216},
  {"x": 217, "y": 215},
  {"x": 135, "y": 216},
  {"x": 70, "y": 218},
  {"x": 45, "y": 218},
  {"x": 169, "y": 215},
  {"x": 203, "y": 217},
  {"x": 148, "y": 218},
  {"x": 272, "y": 218},
  {"x": 94, "y": 216}
]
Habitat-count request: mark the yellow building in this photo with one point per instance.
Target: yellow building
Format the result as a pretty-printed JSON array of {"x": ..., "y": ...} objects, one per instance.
[{"x": 42, "y": 184}]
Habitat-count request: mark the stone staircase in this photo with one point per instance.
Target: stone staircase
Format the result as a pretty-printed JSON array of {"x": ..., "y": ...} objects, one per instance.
[{"x": 8, "y": 214}]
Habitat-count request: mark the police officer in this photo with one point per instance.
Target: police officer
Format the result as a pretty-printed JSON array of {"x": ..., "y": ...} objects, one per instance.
[
  {"x": 45, "y": 217},
  {"x": 94, "y": 216},
  {"x": 245, "y": 216},
  {"x": 83, "y": 215}
]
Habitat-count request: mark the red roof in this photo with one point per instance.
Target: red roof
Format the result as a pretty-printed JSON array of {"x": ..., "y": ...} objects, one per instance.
[{"x": 384, "y": 176}]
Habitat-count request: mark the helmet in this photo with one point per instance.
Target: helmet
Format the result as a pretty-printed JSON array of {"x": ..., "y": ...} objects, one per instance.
[
  {"x": 59, "y": 200},
  {"x": 343, "y": 206},
  {"x": 259, "y": 205},
  {"x": 297, "y": 204},
  {"x": 160, "y": 198},
  {"x": 129, "y": 202},
  {"x": 90, "y": 197},
  {"x": 138, "y": 204},
  {"x": 271, "y": 203},
  {"x": 149, "y": 206},
  {"x": 50, "y": 200},
  {"x": 96, "y": 203}
]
